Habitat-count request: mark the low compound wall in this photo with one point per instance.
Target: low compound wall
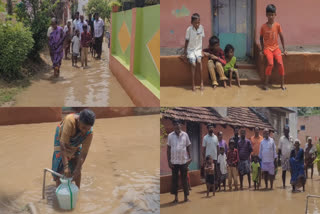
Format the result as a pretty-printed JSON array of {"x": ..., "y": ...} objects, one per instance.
[
  {"x": 300, "y": 68},
  {"x": 135, "y": 53},
  {"x": 27, "y": 115}
]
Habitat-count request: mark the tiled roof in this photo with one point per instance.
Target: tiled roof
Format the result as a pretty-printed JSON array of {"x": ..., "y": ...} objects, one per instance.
[{"x": 244, "y": 117}]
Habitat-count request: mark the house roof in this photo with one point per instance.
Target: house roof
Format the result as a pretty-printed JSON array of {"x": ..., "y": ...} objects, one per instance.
[{"x": 244, "y": 117}]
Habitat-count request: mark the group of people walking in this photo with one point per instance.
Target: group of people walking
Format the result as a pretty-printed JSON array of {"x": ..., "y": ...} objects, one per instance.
[
  {"x": 80, "y": 35},
  {"x": 256, "y": 157}
]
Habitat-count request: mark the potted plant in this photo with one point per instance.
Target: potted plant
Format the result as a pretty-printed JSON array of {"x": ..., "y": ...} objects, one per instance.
[{"x": 115, "y": 5}]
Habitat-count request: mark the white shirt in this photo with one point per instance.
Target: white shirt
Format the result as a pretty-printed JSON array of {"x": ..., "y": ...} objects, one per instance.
[
  {"x": 195, "y": 40},
  {"x": 49, "y": 31},
  {"x": 76, "y": 44},
  {"x": 80, "y": 26},
  {"x": 179, "y": 146},
  {"x": 222, "y": 160},
  {"x": 312, "y": 150},
  {"x": 98, "y": 28},
  {"x": 267, "y": 150},
  {"x": 211, "y": 143},
  {"x": 286, "y": 146},
  {"x": 75, "y": 24}
]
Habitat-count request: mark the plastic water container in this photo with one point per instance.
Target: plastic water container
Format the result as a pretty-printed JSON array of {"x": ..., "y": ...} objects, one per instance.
[{"x": 67, "y": 194}]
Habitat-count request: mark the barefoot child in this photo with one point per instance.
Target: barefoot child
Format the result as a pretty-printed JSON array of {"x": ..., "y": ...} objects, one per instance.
[
  {"x": 232, "y": 160},
  {"x": 269, "y": 44},
  {"x": 222, "y": 162},
  {"x": 209, "y": 169},
  {"x": 193, "y": 47},
  {"x": 216, "y": 61},
  {"x": 75, "y": 48},
  {"x": 255, "y": 166},
  {"x": 85, "y": 43},
  {"x": 230, "y": 68}
]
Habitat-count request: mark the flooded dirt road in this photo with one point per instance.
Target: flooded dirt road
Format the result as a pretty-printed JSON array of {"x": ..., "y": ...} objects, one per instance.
[
  {"x": 120, "y": 175},
  {"x": 93, "y": 86},
  {"x": 247, "y": 95},
  {"x": 277, "y": 201}
]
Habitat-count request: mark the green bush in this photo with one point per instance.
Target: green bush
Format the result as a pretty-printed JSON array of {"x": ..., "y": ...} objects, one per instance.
[{"x": 15, "y": 43}]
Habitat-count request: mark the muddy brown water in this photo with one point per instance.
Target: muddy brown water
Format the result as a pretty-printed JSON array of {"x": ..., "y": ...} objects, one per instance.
[
  {"x": 247, "y": 95},
  {"x": 93, "y": 86},
  {"x": 120, "y": 175},
  {"x": 248, "y": 201}
]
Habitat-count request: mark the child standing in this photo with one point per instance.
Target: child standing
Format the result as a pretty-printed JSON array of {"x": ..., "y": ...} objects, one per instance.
[
  {"x": 216, "y": 61},
  {"x": 256, "y": 171},
  {"x": 193, "y": 47},
  {"x": 222, "y": 162},
  {"x": 230, "y": 68},
  {"x": 85, "y": 43},
  {"x": 75, "y": 48},
  {"x": 269, "y": 44},
  {"x": 232, "y": 160},
  {"x": 209, "y": 169}
]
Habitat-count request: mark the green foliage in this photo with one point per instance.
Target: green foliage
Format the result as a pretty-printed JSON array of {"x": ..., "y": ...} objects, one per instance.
[
  {"x": 15, "y": 43},
  {"x": 103, "y": 7},
  {"x": 308, "y": 111},
  {"x": 36, "y": 15}
]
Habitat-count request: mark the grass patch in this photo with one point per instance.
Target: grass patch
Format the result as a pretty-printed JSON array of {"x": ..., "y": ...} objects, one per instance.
[{"x": 8, "y": 91}]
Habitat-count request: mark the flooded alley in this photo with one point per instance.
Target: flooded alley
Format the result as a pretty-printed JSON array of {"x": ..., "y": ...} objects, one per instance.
[
  {"x": 249, "y": 201},
  {"x": 93, "y": 86},
  {"x": 247, "y": 95},
  {"x": 120, "y": 175}
]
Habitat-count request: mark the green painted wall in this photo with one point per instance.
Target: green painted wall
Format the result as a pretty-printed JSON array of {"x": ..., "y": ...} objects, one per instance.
[
  {"x": 147, "y": 25},
  {"x": 117, "y": 20}
]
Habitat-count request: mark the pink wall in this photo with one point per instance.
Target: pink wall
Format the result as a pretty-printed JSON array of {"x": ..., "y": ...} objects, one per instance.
[
  {"x": 312, "y": 124},
  {"x": 175, "y": 17},
  {"x": 299, "y": 20}
]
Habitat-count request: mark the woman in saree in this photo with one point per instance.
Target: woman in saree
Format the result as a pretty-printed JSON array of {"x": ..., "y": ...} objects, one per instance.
[
  {"x": 298, "y": 178},
  {"x": 56, "y": 46},
  {"x": 71, "y": 145},
  {"x": 317, "y": 160}
]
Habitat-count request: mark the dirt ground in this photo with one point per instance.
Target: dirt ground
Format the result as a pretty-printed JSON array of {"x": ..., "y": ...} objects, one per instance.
[
  {"x": 247, "y": 95},
  {"x": 93, "y": 86},
  {"x": 120, "y": 175},
  {"x": 275, "y": 201}
]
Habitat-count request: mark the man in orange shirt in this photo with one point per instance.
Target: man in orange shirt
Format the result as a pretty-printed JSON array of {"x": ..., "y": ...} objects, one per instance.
[
  {"x": 269, "y": 44},
  {"x": 255, "y": 141}
]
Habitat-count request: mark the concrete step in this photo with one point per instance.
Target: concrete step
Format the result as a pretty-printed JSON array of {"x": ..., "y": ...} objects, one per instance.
[
  {"x": 244, "y": 65},
  {"x": 249, "y": 76}
]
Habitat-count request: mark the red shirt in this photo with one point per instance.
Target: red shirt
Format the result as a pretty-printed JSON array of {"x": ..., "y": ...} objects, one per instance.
[
  {"x": 219, "y": 54},
  {"x": 270, "y": 36},
  {"x": 85, "y": 39},
  {"x": 232, "y": 157}
]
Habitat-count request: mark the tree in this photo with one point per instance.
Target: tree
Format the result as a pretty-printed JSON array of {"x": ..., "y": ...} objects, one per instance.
[
  {"x": 103, "y": 7},
  {"x": 36, "y": 14}
]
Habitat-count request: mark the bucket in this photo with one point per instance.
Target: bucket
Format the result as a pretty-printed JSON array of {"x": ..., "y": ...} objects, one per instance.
[{"x": 67, "y": 194}]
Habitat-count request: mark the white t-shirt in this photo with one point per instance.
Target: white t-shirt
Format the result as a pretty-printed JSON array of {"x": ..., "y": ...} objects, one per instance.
[
  {"x": 75, "y": 24},
  {"x": 211, "y": 143},
  {"x": 179, "y": 144},
  {"x": 98, "y": 28},
  {"x": 222, "y": 160},
  {"x": 286, "y": 146},
  {"x": 76, "y": 44},
  {"x": 195, "y": 41}
]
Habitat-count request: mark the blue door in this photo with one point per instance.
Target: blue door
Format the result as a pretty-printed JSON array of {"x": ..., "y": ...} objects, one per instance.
[
  {"x": 233, "y": 24},
  {"x": 193, "y": 130}
]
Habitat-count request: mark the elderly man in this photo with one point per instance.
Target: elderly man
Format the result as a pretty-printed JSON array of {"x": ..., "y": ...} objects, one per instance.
[
  {"x": 268, "y": 157},
  {"x": 98, "y": 34},
  {"x": 244, "y": 149},
  {"x": 210, "y": 145},
  {"x": 71, "y": 145},
  {"x": 309, "y": 156},
  {"x": 179, "y": 158},
  {"x": 284, "y": 151}
]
